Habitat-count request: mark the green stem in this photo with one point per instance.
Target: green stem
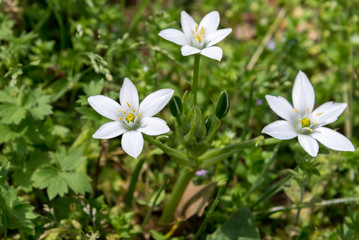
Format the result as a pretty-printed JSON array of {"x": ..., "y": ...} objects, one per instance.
[
  {"x": 212, "y": 157},
  {"x": 176, "y": 195},
  {"x": 178, "y": 155},
  {"x": 324, "y": 203},
  {"x": 302, "y": 188},
  {"x": 131, "y": 189},
  {"x": 195, "y": 78}
]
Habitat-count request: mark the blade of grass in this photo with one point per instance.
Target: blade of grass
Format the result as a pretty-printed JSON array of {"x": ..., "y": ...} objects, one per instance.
[
  {"x": 131, "y": 189},
  {"x": 210, "y": 211},
  {"x": 260, "y": 179},
  {"x": 165, "y": 178},
  {"x": 138, "y": 14},
  {"x": 272, "y": 190}
]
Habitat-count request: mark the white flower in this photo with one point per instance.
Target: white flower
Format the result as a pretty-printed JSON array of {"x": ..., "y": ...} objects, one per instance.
[
  {"x": 304, "y": 123},
  {"x": 198, "y": 38},
  {"x": 131, "y": 118}
]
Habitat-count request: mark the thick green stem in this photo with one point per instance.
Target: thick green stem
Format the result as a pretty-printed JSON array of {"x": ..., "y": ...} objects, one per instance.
[
  {"x": 195, "y": 78},
  {"x": 176, "y": 195},
  {"x": 212, "y": 157}
]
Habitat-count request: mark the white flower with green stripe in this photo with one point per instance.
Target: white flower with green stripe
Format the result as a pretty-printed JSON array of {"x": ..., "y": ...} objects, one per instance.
[
  {"x": 302, "y": 122},
  {"x": 131, "y": 118}
]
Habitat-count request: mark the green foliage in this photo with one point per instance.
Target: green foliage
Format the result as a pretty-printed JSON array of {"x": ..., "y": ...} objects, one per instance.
[
  {"x": 61, "y": 175},
  {"x": 240, "y": 225},
  {"x": 15, "y": 212}
]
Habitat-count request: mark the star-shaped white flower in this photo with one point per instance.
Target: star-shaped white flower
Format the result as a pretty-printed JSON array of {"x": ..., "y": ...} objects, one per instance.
[
  {"x": 304, "y": 123},
  {"x": 198, "y": 38},
  {"x": 131, "y": 118}
]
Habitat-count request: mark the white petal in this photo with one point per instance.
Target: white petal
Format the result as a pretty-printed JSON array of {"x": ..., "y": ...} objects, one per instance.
[
  {"x": 174, "y": 35},
  {"x": 132, "y": 143},
  {"x": 155, "y": 102},
  {"x": 332, "y": 139},
  {"x": 153, "y": 126},
  {"x": 282, "y": 108},
  {"x": 308, "y": 144},
  {"x": 213, "y": 52},
  {"x": 210, "y": 22},
  {"x": 280, "y": 129},
  {"x": 128, "y": 94},
  {"x": 188, "y": 50},
  {"x": 328, "y": 112},
  {"x": 303, "y": 94},
  {"x": 109, "y": 130},
  {"x": 217, "y": 36},
  {"x": 105, "y": 106},
  {"x": 188, "y": 25}
]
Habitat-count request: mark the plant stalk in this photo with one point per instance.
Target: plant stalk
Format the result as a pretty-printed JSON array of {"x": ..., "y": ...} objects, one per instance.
[
  {"x": 212, "y": 157},
  {"x": 176, "y": 195}
]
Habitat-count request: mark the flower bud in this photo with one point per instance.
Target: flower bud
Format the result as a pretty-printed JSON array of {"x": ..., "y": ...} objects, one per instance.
[
  {"x": 194, "y": 132},
  {"x": 223, "y": 105},
  {"x": 208, "y": 123},
  {"x": 175, "y": 106}
]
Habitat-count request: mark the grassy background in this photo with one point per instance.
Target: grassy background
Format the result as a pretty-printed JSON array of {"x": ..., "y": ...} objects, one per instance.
[{"x": 54, "y": 54}]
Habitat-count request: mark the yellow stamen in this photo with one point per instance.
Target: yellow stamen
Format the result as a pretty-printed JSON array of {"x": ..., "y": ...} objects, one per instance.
[
  {"x": 139, "y": 115},
  {"x": 305, "y": 122},
  {"x": 307, "y": 109},
  {"x": 128, "y": 105},
  {"x": 134, "y": 110},
  {"x": 122, "y": 111},
  {"x": 130, "y": 118},
  {"x": 309, "y": 129},
  {"x": 120, "y": 118},
  {"x": 316, "y": 123},
  {"x": 295, "y": 110},
  {"x": 199, "y": 39},
  {"x": 203, "y": 31},
  {"x": 196, "y": 27},
  {"x": 318, "y": 114}
]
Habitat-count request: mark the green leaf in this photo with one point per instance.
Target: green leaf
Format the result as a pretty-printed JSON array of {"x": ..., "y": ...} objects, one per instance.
[
  {"x": 57, "y": 186},
  {"x": 239, "y": 226},
  {"x": 11, "y": 113},
  {"x": 19, "y": 213},
  {"x": 94, "y": 87},
  {"x": 39, "y": 104},
  {"x": 68, "y": 161},
  {"x": 78, "y": 182},
  {"x": 43, "y": 177}
]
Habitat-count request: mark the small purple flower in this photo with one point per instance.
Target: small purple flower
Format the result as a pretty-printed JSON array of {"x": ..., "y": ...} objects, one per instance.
[
  {"x": 259, "y": 102},
  {"x": 201, "y": 173},
  {"x": 271, "y": 45}
]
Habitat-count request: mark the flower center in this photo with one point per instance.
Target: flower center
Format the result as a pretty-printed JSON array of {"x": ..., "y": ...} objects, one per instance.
[
  {"x": 305, "y": 122},
  {"x": 130, "y": 118},
  {"x": 199, "y": 35},
  {"x": 130, "y": 115}
]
